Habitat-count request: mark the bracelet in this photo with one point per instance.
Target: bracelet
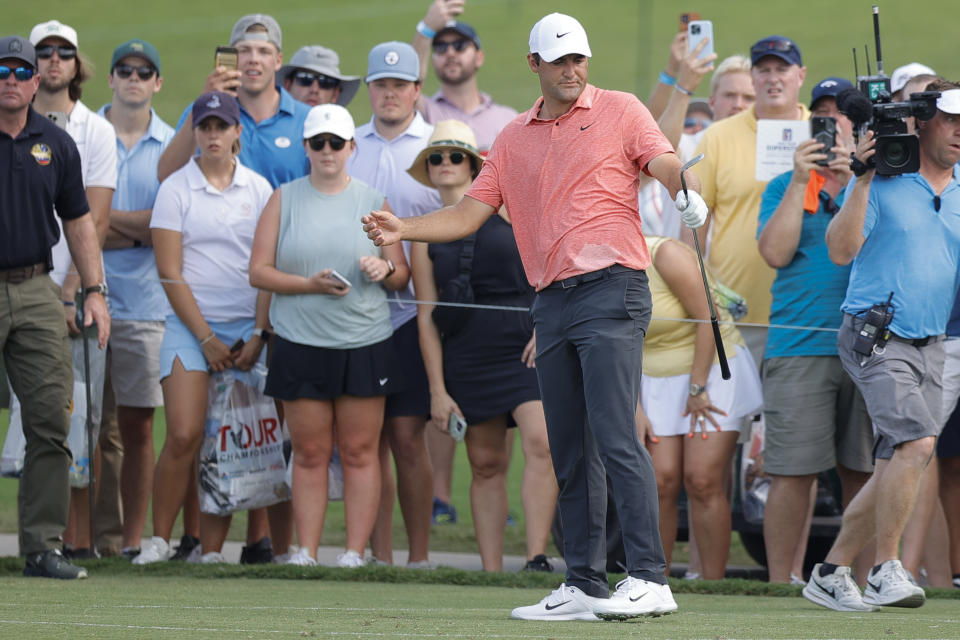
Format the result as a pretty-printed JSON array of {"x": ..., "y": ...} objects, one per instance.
[
  {"x": 69, "y": 303},
  {"x": 685, "y": 92},
  {"x": 425, "y": 31},
  {"x": 667, "y": 79},
  {"x": 208, "y": 338},
  {"x": 392, "y": 267}
]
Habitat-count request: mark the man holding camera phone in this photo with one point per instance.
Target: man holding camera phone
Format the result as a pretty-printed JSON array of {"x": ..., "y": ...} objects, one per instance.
[
  {"x": 585, "y": 254},
  {"x": 815, "y": 417},
  {"x": 902, "y": 233},
  {"x": 272, "y": 120}
]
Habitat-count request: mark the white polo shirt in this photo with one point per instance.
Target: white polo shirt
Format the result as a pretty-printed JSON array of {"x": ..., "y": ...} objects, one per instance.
[
  {"x": 383, "y": 165},
  {"x": 217, "y": 230},
  {"x": 96, "y": 142}
]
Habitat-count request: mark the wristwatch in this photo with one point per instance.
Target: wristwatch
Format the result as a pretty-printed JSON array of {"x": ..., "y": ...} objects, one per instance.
[
  {"x": 97, "y": 288},
  {"x": 696, "y": 389}
]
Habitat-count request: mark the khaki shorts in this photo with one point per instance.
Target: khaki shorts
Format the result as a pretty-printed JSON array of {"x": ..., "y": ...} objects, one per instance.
[
  {"x": 815, "y": 417},
  {"x": 134, "y": 360}
]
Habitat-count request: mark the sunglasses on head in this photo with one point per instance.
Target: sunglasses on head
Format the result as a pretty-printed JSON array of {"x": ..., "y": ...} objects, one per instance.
[
  {"x": 436, "y": 158},
  {"x": 306, "y": 79},
  {"x": 317, "y": 142},
  {"x": 458, "y": 46},
  {"x": 20, "y": 73},
  {"x": 144, "y": 72},
  {"x": 781, "y": 46},
  {"x": 65, "y": 53}
]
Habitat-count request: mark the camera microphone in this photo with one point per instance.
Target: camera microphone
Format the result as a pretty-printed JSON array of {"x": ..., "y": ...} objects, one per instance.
[{"x": 856, "y": 106}]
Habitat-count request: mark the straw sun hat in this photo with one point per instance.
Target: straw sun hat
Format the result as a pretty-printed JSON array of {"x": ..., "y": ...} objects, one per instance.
[{"x": 447, "y": 134}]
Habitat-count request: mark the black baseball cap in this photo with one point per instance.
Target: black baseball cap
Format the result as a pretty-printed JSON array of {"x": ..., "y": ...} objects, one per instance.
[
  {"x": 829, "y": 88},
  {"x": 463, "y": 29},
  {"x": 779, "y": 46},
  {"x": 18, "y": 48},
  {"x": 216, "y": 103}
]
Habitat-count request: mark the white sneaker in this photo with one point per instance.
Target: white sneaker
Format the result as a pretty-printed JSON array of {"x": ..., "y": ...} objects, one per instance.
[
  {"x": 283, "y": 558},
  {"x": 302, "y": 558},
  {"x": 424, "y": 565},
  {"x": 892, "y": 586},
  {"x": 214, "y": 557},
  {"x": 350, "y": 559},
  {"x": 796, "y": 580},
  {"x": 633, "y": 598},
  {"x": 157, "y": 550},
  {"x": 837, "y": 591},
  {"x": 562, "y": 604}
]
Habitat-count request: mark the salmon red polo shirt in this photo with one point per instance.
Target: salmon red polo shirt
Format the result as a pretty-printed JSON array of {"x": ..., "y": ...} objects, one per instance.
[{"x": 570, "y": 185}]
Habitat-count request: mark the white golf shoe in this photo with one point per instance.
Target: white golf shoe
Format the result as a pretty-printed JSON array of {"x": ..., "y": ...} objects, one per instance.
[
  {"x": 563, "y": 603},
  {"x": 892, "y": 586},
  {"x": 633, "y": 598},
  {"x": 157, "y": 550},
  {"x": 837, "y": 591}
]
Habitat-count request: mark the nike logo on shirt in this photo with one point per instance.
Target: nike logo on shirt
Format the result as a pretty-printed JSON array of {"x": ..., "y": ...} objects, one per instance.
[
  {"x": 383, "y": 381},
  {"x": 586, "y": 127}
]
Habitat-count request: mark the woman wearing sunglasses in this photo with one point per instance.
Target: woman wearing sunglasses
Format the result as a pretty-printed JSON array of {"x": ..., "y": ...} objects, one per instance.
[
  {"x": 688, "y": 417},
  {"x": 202, "y": 224},
  {"x": 483, "y": 372},
  {"x": 333, "y": 360}
]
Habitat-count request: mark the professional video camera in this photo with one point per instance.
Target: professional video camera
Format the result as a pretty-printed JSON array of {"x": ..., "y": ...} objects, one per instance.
[{"x": 871, "y": 107}]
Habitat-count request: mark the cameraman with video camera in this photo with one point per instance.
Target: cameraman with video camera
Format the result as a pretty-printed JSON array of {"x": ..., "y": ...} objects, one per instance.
[{"x": 902, "y": 233}]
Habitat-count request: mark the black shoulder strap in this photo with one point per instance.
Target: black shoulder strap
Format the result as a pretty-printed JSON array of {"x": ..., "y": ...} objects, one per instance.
[{"x": 466, "y": 255}]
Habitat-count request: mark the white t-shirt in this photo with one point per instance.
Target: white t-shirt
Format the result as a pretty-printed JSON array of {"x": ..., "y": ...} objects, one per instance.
[
  {"x": 217, "y": 232},
  {"x": 97, "y": 143}
]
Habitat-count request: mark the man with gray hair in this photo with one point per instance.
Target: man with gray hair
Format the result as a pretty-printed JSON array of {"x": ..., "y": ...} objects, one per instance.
[
  {"x": 272, "y": 120},
  {"x": 313, "y": 77}
]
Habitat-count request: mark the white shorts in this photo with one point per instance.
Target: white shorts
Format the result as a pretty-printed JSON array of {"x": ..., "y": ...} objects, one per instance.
[
  {"x": 134, "y": 361},
  {"x": 665, "y": 399}
]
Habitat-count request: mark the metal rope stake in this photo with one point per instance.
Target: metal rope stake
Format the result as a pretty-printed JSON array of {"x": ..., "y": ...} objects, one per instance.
[
  {"x": 717, "y": 339},
  {"x": 89, "y": 420}
]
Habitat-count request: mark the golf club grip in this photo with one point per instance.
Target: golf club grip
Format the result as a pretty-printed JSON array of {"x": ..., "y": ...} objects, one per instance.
[{"x": 721, "y": 353}]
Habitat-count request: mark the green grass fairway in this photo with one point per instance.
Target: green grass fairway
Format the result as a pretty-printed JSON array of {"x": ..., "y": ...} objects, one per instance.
[{"x": 142, "y": 607}]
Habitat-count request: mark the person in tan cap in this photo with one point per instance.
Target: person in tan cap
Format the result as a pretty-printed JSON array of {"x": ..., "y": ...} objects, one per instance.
[
  {"x": 313, "y": 77},
  {"x": 483, "y": 371}
]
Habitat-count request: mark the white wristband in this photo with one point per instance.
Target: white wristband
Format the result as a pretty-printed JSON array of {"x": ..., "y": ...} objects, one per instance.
[{"x": 425, "y": 31}]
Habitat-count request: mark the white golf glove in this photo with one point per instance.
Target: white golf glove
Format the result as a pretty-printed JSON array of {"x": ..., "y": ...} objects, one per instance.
[{"x": 692, "y": 208}]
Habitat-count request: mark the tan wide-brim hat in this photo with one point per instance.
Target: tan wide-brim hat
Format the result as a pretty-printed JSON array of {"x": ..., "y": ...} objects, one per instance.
[{"x": 447, "y": 134}]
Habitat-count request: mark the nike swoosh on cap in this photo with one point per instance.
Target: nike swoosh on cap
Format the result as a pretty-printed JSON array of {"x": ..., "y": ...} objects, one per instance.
[{"x": 560, "y": 35}]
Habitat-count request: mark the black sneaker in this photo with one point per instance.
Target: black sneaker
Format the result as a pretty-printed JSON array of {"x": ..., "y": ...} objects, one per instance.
[
  {"x": 260, "y": 552},
  {"x": 539, "y": 563},
  {"x": 187, "y": 544},
  {"x": 52, "y": 564}
]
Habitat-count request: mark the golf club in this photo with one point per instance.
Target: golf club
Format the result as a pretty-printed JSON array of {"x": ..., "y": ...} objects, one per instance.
[
  {"x": 89, "y": 423},
  {"x": 721, "y": 354}
]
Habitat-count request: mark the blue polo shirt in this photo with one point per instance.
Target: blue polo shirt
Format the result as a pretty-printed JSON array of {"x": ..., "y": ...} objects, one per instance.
[
  {"x": 273, "y": 147},
  {"x": 911, "y": 249},
  {"x": 808, "y": 291},
  {"x": 39, "y": 171},
  {"x": 135, "y": 291}
]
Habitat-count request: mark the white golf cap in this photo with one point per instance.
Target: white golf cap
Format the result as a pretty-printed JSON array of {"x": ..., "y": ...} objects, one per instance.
[
  {"x": 902, "y": 75},
  {"x": 556, "y": 35},
  {"x": 53, "y": 29},
  {"x": 949, "y": 101},
  {"x": 328, "y": 118}
]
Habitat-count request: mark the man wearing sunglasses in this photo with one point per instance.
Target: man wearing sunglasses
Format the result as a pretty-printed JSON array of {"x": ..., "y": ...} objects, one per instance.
[
  {"x": 313, "y": 77},
  {"x": 40, "y": 181},
  {"x": 386, "y": 146},
  {"x": 137, "y": 300},
  {"x": 567, "y": 172},
  {"x": 730, "y": 188},
  {"x": 63, "y": 71},
  {"x": 457, "y": 56},
  {"x": 272, "y": 120}
]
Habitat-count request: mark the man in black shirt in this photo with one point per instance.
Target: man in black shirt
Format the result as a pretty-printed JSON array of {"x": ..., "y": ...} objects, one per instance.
[{"x": 40, "y": 170}]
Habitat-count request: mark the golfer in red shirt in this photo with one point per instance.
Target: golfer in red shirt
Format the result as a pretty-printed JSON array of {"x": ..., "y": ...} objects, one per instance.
[{"x": 567, "y": 171}]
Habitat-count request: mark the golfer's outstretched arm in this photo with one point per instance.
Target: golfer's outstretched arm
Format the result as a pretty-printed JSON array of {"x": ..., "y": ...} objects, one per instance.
[
  {"x": 444, "y": 225},
  {"x": 666, "y": 169}
]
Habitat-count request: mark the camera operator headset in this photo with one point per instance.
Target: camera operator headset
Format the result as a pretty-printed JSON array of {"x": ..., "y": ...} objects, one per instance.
[{"x": 902, "y": 233}]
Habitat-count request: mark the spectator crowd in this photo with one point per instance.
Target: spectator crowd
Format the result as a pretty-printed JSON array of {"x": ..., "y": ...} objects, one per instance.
[{"x": 238, "y": 240}]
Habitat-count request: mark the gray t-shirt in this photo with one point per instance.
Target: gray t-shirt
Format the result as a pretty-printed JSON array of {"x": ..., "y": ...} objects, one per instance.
[{"x": 320, "y": 231}]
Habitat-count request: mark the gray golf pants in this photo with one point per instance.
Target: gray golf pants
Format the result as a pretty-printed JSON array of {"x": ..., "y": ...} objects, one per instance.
[{"x": 589, "y": 344}]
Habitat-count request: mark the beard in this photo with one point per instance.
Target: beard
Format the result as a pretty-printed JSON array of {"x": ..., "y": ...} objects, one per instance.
[
  {"x": 51, "y": 85},
  {"x": 455, "y": 75}
]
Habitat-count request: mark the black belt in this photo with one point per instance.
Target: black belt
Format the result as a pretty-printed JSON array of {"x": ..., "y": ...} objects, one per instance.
[
  {"x": 21, "y": 274},
  {"x": 590, "y": 276},
  {"x": 915, "y": 342}
]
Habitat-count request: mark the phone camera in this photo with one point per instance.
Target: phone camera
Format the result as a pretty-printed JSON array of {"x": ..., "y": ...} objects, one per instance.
[{"x": 695, "y": 29}]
